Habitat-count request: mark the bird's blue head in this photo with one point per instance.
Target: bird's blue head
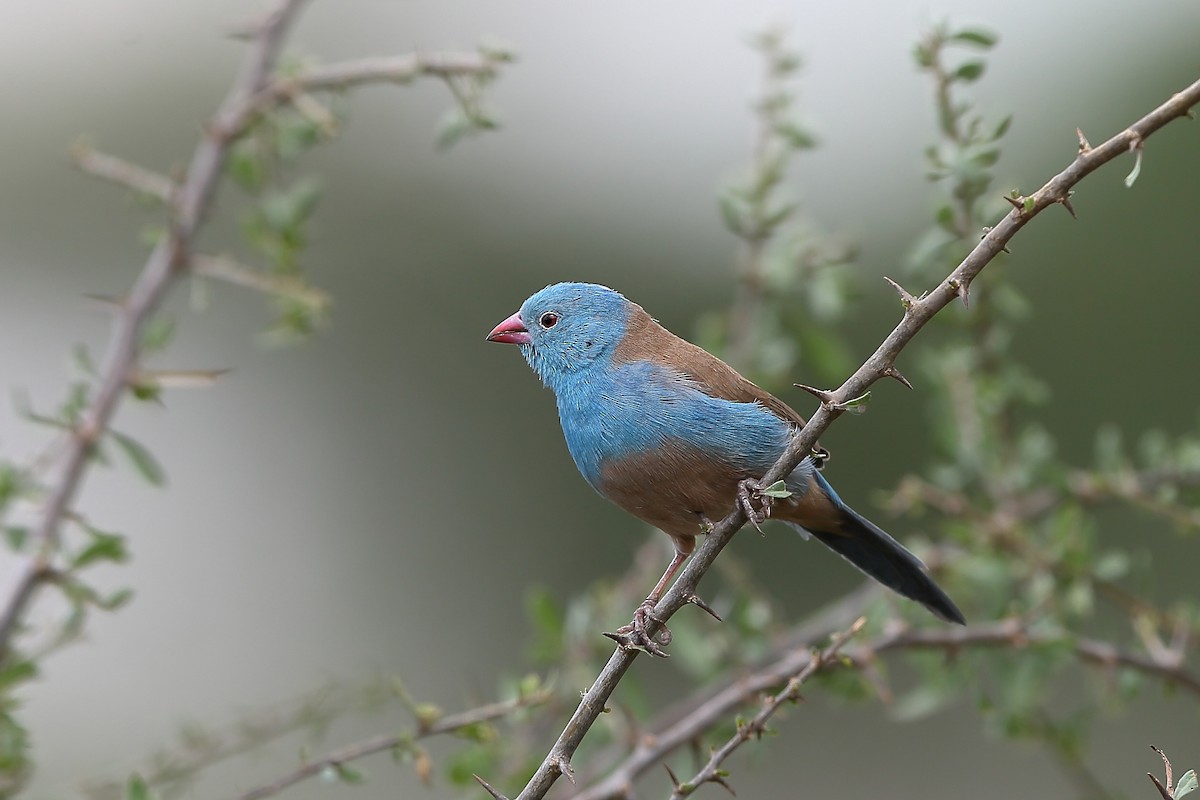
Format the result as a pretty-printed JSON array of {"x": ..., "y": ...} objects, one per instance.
[{"x": 566, "y": 329}]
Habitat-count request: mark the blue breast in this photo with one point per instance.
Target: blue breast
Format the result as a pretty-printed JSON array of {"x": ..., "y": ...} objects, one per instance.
[{"x": 614, "y": 411}]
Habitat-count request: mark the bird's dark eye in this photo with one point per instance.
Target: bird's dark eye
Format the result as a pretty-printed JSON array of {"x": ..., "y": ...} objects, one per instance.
[{"x": 548, "y": 320}]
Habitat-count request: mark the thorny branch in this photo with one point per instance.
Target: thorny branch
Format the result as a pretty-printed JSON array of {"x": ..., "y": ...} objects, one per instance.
[
  {"x": 227, "y": 270},
  {"x": 118, "y": 170},
  {"x": 795, "y": 660},
  {"x": 188, "y": 200},
  {"x": 756, "y": 727},
  {"x": 681, "y": 725},
  {"x": 447, "y": 724},
  {"x": 164, "y": 264},
  {"x": 881, "y": 364}
]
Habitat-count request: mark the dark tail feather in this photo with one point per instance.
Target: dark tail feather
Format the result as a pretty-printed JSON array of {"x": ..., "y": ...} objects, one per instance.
[{"x": 872, "y": 550}]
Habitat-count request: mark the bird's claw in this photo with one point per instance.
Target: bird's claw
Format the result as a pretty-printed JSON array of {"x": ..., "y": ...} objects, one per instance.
[
  {"x": 635, "y": 636},
  {"x": 748, "y": 491}
]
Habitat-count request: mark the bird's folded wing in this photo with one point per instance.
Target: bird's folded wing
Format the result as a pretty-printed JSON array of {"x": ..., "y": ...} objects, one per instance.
[{"x": 646, "y": 340}]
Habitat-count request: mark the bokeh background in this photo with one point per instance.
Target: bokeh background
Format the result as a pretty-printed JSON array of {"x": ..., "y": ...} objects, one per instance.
[{"x": 379, "y": 500}]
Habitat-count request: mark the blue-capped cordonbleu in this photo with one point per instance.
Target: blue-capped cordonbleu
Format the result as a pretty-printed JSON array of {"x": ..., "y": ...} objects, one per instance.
[{"x": 675, "y": 436}]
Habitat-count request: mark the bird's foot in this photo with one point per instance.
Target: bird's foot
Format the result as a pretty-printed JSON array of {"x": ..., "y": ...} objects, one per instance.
[
  {"x": 635, "y": 635},
  {"x": 748, "y": 491}
]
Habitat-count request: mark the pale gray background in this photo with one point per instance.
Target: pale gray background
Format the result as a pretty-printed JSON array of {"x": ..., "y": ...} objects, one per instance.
[{"x": 379, "y": 500}]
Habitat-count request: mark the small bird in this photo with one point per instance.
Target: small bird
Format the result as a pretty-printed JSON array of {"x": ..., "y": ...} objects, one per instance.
[{"x": 675, "y": 436}]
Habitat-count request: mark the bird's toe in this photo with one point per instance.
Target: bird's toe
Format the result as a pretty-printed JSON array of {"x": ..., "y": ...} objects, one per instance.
[{"x": 636, "y": 635}]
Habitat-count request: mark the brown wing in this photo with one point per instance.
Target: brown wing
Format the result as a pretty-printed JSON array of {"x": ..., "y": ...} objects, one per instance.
[{"x": 646, "y": 340}]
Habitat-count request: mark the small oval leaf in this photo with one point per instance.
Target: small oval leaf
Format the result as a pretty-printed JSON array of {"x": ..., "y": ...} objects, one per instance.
[{"x": 141, "y": 458}]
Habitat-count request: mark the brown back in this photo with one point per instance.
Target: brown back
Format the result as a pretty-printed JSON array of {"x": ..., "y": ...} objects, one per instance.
[{"x": 646, "y": 340}]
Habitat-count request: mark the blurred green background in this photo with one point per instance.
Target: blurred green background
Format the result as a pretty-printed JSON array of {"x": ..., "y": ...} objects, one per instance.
[{"x": 380, "y": 499}]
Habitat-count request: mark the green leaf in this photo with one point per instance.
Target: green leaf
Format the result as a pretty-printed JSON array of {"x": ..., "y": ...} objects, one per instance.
[
  {"x": 923, "y": 55},
  {"x": 969, "y": 71},
  {"x": 347, "y": 774},
  {"x": 16, "y": 672},
  {"x": 497, "y": 50},
  {"x": 10, "y": 483},
  {"x": 102, "y": 547},
  {"x": 136, "y": 788},
  {"x": 285, "y": 211},
  {"x": 24, "y": 408},
  {"x": 295, "y": 135},
  {"x": 480, "y": 732},
  {"x": 1002, "y": 128},
  {"x": 454, "y": 125},
  {"x": 115, "y": 600},
  {"x": 17, "y": 536},
  {"x": 83, "y": 359},
  {"x": 1186, "y": 785},
  {"x": 984, "y": 39},
  {"x": 146, "y": 391},
  {"x": 857, "y": 405},
  {"x": 778, "y": 489},
  {"x": 772, "y": 218},
  {"x": 141, "y": 458},
  {"x": 245, "y": 165},
  {"x": 945, "y": 219},
  {"x": 733, "y": 211},
  {"x": 77, "y": 399},
  {"x": 99, "y": 455},
  {"x": 548, "y": 621},
  {"x": 427, "y": 714},
  {"x": 529, "y": 685},
  {"x": 157, "y": 333},
  {"x": 471, "y": 761},
  {"x": 986, "y": 158},
  {"x": 1137, "y": 170},
  {"x": 797, "y": 137}
]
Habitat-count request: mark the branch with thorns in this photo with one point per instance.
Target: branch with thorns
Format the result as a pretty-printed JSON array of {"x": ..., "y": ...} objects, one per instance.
[
  {"x": 426, "y": 727},
  {"x": 188, "y": 199},
  {"x": 1167, "y": 788},
  {"x": 795, "y": 659},
  {"x": 711, "y": 772},
  {"x": 917, "y": 313}
]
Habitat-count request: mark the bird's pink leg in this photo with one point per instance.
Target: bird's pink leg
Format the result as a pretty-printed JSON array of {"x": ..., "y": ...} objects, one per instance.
[
  {"x": 657, "y": 592},
  {"x": 634, "y": 635}
]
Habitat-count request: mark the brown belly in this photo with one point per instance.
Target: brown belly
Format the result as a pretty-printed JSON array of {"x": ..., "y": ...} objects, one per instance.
[
  {"x": 674, "y": 486},
  {"x": 671, "y": 488}
]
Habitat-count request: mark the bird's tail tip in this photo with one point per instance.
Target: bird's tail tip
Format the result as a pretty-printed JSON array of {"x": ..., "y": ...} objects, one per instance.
[
  {"x": 873, "y": 551},
  {"x": 940, "y": 605}
]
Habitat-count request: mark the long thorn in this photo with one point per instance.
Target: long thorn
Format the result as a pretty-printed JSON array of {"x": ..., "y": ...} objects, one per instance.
[
  {"x": 564, "y": 768},
  {"x": 906, "y": 299},
  {"x": 963, "y": 290},
  {"x": 696, "y": 600},
  {"x": 826, "y": 397},
  {"x": 1066, "y": 203},
  {"x": 487, "y": 787},
  {"x": 890, "y": 371}
]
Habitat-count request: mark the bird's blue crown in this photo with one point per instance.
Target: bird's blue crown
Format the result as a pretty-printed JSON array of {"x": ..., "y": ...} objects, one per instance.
[{"x": 573, "y": 327}]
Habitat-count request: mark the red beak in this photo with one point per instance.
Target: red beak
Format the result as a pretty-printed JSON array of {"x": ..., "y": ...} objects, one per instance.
[{"x": 511, "y": 331}]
